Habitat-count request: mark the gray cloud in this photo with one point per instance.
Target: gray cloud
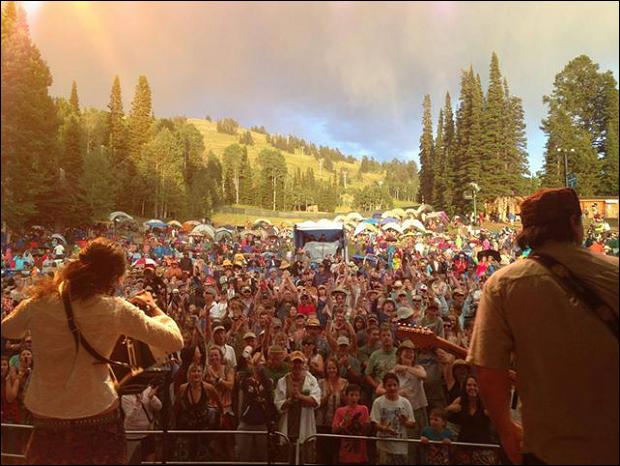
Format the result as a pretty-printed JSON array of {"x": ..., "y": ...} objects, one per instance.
[{"x": 349, "y": 74}]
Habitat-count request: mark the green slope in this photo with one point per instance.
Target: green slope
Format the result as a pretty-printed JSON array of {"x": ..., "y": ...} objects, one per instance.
[{"x": 217, "y": 142}]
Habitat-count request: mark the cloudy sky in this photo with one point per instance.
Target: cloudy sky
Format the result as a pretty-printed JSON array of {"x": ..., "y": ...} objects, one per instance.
[{"x": 347, "y": 74}]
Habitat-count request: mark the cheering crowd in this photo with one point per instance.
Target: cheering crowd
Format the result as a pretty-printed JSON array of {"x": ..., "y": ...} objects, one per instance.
[{"x": 274, "y": 342}]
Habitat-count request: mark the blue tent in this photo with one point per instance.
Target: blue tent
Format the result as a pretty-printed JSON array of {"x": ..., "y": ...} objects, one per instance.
[
  {"x": 372, "y": 221},
  {"x": 387, "y": 220}
]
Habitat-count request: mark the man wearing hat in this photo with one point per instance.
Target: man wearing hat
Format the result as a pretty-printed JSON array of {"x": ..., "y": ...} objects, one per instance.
[
  {"x": 219, "y": 339},
  {"x": 312, "y": 331},
  {"x": 556, "y": 335},
  {"x": 350, "y": 366},
  {"x": 404, "y": 315}
]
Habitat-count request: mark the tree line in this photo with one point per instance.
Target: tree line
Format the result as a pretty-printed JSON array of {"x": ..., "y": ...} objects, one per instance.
[{"x": 484, "y": 141}]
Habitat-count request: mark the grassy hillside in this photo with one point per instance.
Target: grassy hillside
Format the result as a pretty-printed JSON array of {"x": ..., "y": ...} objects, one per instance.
[{"x": 217, "y": 142}]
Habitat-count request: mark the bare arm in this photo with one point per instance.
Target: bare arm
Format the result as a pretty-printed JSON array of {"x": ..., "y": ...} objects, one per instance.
[{"x": 495, "y": 393}]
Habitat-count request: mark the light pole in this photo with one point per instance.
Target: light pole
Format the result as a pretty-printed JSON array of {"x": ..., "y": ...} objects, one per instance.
[
  {"x": 475, "y": 188},
  {"x": 572, "y": 151}
]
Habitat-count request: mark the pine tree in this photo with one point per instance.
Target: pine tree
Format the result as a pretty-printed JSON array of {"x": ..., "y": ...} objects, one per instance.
[
  {"x": 29, "y": 169},
  {"x": 609, "y": 172},
  {"x": 576, "y": 127},
  {"x": 73, "y": 100},
  {"x": 140, "y": 117},
  {"x": 449, "y": 150},
  {"x": 440, "y": 174},
  {"x": 517, "y": 167},
  {"x": 117, "y": 130},
  {"x": 246, "y": 195},
  {"x": 493, "y": 155},
  {"x": 425, "y": 194},
  {"x": 468, "y": 139}
]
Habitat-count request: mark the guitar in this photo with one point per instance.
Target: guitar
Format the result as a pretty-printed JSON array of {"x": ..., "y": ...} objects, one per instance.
[{"x": 425, "y": 338}]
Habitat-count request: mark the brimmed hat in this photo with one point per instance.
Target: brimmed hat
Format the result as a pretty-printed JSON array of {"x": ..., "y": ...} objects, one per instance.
[
  {"x": 340, "y": 290},
  {"x": 298, "y": 356},
  {"x": 227, "y": 263},
  {"x": 407, "y": 344},
  {"x": 404, "y": 313},
  {"x": 276, "y": 349},
  {"x": 313, "y": 322},
  {"x": 211, "y": 291},
  {"x": 284, "y": 265}
]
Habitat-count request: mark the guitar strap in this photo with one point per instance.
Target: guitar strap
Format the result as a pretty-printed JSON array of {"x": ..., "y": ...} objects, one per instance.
[
  {"x": 79, "y": 338},
  {"x": 77, "y": 335},
  {"x": 569, "y": 282}
]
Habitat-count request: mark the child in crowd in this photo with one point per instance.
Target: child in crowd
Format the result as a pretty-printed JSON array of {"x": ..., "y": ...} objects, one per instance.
[
  {"x": 352, "y": 419},
  {"x": 438, "y": 432},
  {"x": 392, "y": 414}
]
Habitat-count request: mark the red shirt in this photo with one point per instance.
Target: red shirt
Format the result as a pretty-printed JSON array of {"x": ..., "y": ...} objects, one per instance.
[
  {"x": 352, "y": 451},
  {"x": 306, "y": 309}
]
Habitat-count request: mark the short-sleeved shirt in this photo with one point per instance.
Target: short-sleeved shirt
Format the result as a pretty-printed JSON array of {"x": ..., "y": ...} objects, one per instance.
[
  {"x": 566, "y": 358},
  {"x": 386, "y": 412},
  {"x": 380, "y": 363},
  {"x": 352, "y": 451}
]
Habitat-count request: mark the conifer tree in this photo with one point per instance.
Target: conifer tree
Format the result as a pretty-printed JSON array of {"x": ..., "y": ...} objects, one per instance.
[
  {"x": 440, "y": 175},
  {"x": 576, "y": 126},
  {"x": 493, "y": 155},
  {"x": 117, "y": 130},
  {"x": 425, "y": 194},
  {"x": 449, "y": 149},
  {"x": 73, "y": 100},
  {"x": 29, "y": 169},
  {"x": 140, "y": 117}
]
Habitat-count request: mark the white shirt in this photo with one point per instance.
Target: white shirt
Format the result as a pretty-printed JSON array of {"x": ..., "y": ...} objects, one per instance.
[
  {"x": 69, "y": 386},
  {"x": 135, "y": 408},
  {"x": 217, "y": 310},
  {"x": 59, "y": 250},
  {"x": 386, "y": 412}
]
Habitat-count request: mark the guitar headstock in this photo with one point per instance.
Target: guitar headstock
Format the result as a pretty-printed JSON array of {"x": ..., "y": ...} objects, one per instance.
[{"x": 423, "y": 337}]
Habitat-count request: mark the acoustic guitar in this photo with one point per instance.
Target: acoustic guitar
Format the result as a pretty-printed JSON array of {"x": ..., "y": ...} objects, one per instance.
[{"x": 425, "y": 338}]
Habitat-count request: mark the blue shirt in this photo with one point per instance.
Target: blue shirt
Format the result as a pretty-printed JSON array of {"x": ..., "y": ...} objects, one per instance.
[{"x": 430, "y": 434}]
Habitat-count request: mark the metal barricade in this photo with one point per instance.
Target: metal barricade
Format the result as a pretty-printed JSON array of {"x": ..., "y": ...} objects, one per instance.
[
  {"x": 284, "y": 441},
  {"x": 300, "y": 447}
]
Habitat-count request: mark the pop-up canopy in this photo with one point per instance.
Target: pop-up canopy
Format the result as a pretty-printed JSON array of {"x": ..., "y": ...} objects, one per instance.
[{"x": 321, "y": 238}]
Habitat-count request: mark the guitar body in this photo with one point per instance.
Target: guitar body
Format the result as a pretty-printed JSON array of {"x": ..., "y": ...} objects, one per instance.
[{"x": 424, "y": 338}]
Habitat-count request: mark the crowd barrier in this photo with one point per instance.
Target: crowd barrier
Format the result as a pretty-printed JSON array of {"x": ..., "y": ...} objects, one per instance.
[{"x": 300, "y": 447}]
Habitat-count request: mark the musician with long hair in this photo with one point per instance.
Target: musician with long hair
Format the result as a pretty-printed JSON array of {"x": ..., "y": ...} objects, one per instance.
[{"x": 72, "y": 397}]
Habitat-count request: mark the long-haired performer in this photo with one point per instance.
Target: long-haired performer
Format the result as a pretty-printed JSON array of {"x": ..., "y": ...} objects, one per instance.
[{"x": 72, "y": 398}]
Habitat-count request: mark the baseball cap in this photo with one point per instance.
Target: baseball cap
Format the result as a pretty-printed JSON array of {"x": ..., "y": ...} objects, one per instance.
[
  {"x": 218, "y": 327},
  {"x": 298, "y": 356},
  {"x": 343, "y": 341},
  {"x": 249, "y": 335}
]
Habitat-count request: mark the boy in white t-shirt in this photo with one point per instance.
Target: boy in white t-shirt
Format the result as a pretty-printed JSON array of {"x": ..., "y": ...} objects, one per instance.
[{"x": 392, "y": 414}]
